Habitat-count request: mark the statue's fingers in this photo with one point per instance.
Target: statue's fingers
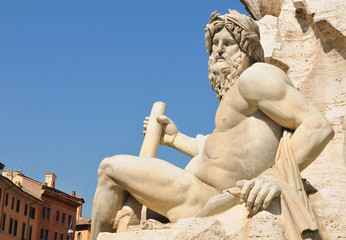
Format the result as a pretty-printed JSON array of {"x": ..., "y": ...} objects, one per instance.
[
  {"x": 147, "y": 118},
  {"x": 273, "y": 193},
  {"x": 260, "y": 198},
  {"x": 251, "y": 198},
  {"x": 245, "y": 190},
  {"x": 241, "y": 183},
  {"x": 162, "y": 119}
]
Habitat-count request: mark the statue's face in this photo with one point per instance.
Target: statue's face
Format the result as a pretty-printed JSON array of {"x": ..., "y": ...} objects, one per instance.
[
  {"x": 224, "y": 46},
  {"x": 226, "y": 62}
]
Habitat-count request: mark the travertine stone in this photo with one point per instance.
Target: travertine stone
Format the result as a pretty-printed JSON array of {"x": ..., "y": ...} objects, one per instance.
[
  {"x": 312, "y": 47},
  {"x": 153, "y": 134},
  {"x": 268, "y": 27},
  {"x": 260, "y": 8},
  {"x": 270, "y": 228},
  {"x": 187, "y": 229},
  {"x": 331, "y": 12},
  {"x": 257, "y": 100}
]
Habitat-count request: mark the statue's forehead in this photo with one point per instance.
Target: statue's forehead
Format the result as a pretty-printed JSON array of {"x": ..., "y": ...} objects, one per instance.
[{"x": 223, "y": 34}]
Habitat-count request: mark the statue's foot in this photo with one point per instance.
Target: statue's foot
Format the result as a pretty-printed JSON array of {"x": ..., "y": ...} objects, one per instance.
[
  {"x": 124, "y": 218},
  {"x": 152, "y": 224}
]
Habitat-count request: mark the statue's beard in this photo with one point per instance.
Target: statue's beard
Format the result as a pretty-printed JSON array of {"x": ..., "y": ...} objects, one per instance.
[{"x": 224, "y": 73}]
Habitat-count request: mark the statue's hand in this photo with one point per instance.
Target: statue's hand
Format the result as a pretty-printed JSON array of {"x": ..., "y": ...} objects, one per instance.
[
  {"x": 257, "y": 193},
  {"x": 169, "y": 129}
]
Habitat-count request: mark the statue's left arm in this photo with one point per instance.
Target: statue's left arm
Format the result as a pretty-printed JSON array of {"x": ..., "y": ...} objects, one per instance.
[{"x": 267, "y": 88}]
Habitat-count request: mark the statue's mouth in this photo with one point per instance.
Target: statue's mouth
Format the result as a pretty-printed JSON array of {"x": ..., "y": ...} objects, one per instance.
[{"x": 219, "y": 58}]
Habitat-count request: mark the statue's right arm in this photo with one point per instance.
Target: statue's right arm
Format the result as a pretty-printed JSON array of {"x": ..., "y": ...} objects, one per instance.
[
  {"x": 173, "y": 138},
  {"x": 185, "y": 144}
]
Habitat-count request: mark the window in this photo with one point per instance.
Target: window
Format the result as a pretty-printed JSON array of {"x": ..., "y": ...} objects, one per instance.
[
  {"x": 69, "y": 220},
  {"x": 18, "y": 205},
  {"x": 44, "y": 212},
  {"x": 26, "y": 209},
  {"x": 61, "y": 236},
  {"x": 0, "y": 193},
  {"x": 63, "y": 218},
  {"x": 32, "y": 212},
  {"x": 46, "y": 235},
  {"x": 23, "y": 231},
  {"x": 41, "y": 233},
  {"x": 55, "y": 236},
  {"x": 15, "y": 225},
  {"x": 12, "y": 204},
  {"x": 30, "y": 233},
  {"x": 57, "y": 216},
  {"x": 48, "y": 213},
  {"x": 3, "y": 223},
  {"x": 68, "y": 237},
  {"x": 79, "y": 236},
  {"x": 10, "y": 226},
  {"x": 6, "y": 199}
]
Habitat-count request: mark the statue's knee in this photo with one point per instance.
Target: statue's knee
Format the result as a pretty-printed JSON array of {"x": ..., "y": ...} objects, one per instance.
[
  {"x": 110, "y": 165},
  {"x": 106, "y": 164}
]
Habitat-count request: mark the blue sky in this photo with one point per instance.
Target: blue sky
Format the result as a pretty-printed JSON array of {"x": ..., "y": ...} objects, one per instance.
[{"x": 77, "y": 79}]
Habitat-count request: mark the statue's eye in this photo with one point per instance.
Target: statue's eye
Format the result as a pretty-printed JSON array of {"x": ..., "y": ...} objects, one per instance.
[
  {"x": 215, "y": 42},
  {"x": 229, "y": 43}
]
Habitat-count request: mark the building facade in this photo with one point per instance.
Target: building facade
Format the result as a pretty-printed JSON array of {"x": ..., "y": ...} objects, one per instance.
[
  {"x": 83, "y": 227},
  {"x": 58, "y": 214},
  {"x": 30, "y": 210},
  {"x": 18, "y": 213}
]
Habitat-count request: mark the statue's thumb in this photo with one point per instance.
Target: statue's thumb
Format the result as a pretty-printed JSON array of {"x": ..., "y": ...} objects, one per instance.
[
  {"x": 241, "y": 183},
  {"x": 162, "y": 119}
]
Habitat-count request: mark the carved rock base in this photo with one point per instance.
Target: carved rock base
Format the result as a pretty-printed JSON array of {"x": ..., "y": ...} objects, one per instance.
[{"x": 264, "y": 225}]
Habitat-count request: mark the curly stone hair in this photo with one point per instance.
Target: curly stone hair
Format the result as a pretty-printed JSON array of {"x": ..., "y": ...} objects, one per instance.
[{"x": 242, "y": 28}]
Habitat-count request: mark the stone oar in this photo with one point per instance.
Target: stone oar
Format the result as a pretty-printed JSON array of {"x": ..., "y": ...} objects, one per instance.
[
  {"x": 153, "y": 134},
  {"x": 152, "y": 139},
  {"x": 220, "y": 203}
]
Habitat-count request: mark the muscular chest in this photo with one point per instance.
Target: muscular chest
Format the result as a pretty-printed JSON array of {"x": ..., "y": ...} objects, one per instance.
[{"x": 233, "y": 109}]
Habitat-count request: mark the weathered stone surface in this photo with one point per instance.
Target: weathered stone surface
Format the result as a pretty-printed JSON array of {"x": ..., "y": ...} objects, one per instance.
[
  {"x": 306, "y": 39},
  {"x": 264, "y": 225},
  {"x": 260, "y": 8},
  {"x": 310, "y": 47},
  {"x": 187, "y": 229},
  {"x": 331, "y": 12}
]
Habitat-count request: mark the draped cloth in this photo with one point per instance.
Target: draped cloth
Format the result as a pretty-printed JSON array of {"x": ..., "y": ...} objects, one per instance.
[{"x": 299, "y": 220}]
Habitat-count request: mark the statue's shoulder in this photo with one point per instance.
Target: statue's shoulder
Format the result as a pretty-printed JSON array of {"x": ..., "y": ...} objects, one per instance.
[
  {"x": 264, "y": 71},
  {"x": 263, "y": 80}
]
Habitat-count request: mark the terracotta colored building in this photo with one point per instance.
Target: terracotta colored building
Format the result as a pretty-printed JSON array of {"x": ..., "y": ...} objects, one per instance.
[
  {"x": 58, "y": 212},
  {"x": 18, "y": 211},
  {"x": 83, "y": 227},
  {"x": 31, "y": 210}
]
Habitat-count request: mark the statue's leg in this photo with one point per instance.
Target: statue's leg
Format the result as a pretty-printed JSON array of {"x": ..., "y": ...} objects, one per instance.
[
  {"x": 161, "y": 186},
  {"x": 108, "y": 199}
]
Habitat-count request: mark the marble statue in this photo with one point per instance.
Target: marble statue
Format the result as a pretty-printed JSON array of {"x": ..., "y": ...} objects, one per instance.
[{"x": 261, "y": 119}]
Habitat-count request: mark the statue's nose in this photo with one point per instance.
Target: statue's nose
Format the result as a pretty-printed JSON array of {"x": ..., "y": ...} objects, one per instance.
[{"x": 220, "y": 48}]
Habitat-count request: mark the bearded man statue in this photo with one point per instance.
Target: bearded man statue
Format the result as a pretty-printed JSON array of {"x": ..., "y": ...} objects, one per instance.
[
  {"x": 265, "y": 133},
  {"x": 245, "y": 33}
]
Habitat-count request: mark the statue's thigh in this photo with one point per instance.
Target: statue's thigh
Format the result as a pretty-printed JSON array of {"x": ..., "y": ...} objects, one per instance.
[{"x": 158, "y": 184}]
